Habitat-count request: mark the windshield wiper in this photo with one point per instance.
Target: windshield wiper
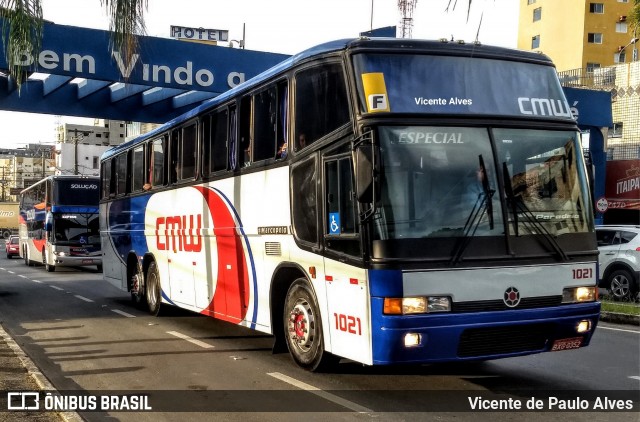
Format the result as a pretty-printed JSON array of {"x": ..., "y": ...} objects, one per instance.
[
  {"x": 483, "y": 205},
  {"x": 517, "y": 204}
]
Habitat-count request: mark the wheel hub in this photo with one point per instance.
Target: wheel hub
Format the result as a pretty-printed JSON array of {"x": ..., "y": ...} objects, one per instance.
[{"x": 300, "y": 325}]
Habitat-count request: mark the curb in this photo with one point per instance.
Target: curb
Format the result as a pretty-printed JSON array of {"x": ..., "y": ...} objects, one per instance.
[
  {"x": 618, "y": 318},
  {"x": 33, "y": 371}
]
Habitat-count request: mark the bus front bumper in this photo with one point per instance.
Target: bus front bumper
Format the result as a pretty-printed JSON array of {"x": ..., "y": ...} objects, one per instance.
[
  {"x": 77, "y": 261},
  {"x": 442, "y": 337}
]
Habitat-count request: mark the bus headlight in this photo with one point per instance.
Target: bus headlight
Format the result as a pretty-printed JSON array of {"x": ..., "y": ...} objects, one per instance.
[
  {"x": 416, "y": 305},
  {"x": 580, "y": 294},
  {"x": 59, "y": 253}
]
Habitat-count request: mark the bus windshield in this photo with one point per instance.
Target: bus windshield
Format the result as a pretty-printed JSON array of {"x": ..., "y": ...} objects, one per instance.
[
  {"x": 443, "y": 182},
  {"x": 76, "y": 229},
  {"x": 413, "y": 83}
]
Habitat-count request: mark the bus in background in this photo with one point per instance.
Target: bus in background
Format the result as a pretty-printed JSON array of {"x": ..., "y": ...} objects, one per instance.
[
  {"x": 59, "y": 224},
  {"x": 381, "y": 200}
]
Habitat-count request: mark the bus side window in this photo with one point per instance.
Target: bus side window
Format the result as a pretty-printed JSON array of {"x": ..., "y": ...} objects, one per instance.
[
  {"x": 264, "y": 124},
  {"x": 188, "y": 151},
  {"x": 121, "y": 174},
  {"x": 207, "y": 144},
  {"x": 282, "y": 134},
  {"x": 105, "y": 170},
  {"x": 174, "y": 170},
  {"x": 245, "y": 132},
  {"x": 157, "y": 162},
  {"x": 219, "y": 138},
  {"x": 321, "y": 103},
  {"x": 137, "y": 169}
]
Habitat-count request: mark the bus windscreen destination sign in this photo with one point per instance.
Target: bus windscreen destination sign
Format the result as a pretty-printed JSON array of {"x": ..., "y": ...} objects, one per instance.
[{"x": 458, "y": 85}]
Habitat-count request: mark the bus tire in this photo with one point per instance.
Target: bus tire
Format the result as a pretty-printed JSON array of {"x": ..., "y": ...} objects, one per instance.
[
  {"x": 303, "y": 328},
  {"x": 138, "y": 295},
  {"x": 6, "y": 234},
  {"x": 153, "y": 289},
  {"x": 27, "y": 261},
  {"x": 49, "y": 268}
]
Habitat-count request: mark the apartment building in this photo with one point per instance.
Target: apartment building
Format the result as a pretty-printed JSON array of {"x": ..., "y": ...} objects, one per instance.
[{"x": 578, "y": 34}]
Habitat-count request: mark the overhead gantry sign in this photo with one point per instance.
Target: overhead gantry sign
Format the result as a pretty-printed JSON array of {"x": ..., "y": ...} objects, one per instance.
[{"x": 77, "y": 74}]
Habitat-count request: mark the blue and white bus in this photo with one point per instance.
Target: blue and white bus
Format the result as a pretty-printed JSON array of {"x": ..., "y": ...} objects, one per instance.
[
  {"x": 381, "y": 200},
  {"x": 59, "y": 225}
]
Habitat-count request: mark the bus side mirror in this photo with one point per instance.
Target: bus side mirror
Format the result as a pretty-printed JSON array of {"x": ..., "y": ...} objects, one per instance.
[{"x": 367, "y": 163}]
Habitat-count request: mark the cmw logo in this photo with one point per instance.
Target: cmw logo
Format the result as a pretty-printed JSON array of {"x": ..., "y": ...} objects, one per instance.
[{"x": 544, "y": 107}]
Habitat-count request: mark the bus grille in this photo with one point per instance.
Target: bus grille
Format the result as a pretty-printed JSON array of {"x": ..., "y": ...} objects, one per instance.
[
  {"x": 499, "y": 305},
  {"x": 499, "y": 340}
]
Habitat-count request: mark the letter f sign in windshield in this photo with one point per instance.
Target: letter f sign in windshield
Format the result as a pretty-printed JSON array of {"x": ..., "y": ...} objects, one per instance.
[
  {"x": 375, "y": 92},
  {"x": 377, "y": 102}
]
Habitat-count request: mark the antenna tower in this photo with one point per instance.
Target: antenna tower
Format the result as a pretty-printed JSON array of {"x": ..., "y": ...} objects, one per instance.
[{"x": 406, "y": 21}]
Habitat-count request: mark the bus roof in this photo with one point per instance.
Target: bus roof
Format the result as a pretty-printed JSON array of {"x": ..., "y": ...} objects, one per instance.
[{"x": 363, "y": 44}]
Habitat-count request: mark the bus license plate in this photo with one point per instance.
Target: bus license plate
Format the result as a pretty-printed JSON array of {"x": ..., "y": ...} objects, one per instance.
[
  {"x": 566, "y": 344},
  {"x": 87, "y": 261}
]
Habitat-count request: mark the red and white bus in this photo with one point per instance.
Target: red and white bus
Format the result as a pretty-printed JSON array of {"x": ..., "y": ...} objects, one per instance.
[
  {"x": 59, "y": 225},
  {"x": 381, "y": 200}
]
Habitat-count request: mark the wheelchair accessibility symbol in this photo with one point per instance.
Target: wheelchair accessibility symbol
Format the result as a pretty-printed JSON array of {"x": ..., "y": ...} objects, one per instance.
[{"x": 334, "y": 223}]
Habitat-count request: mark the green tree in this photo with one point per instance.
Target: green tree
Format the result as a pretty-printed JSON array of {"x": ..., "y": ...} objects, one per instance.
[
  {"x": 22, "y": 25},
  {"x": 634, "y": 19}
]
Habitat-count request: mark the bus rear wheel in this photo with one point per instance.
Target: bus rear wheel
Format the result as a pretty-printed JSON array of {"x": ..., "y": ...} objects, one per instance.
[
  {"x": 138, "y": 288},
  {"x": 303, "y": 329},
  {"x": 153, "y": 289}
]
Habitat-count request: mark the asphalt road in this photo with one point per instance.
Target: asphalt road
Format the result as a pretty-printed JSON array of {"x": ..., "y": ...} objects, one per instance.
[{"x": 85, "y": 335}]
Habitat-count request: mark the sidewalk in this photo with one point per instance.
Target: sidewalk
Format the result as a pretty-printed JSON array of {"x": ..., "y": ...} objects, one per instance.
[{"x": 19, "y": 373}]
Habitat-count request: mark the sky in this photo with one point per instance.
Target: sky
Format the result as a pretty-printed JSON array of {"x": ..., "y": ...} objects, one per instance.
[{"x": 278, "y": 26}]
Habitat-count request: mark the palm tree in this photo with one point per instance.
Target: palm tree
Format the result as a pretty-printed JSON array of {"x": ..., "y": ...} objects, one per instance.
[
  {"x": 22, "y": 25},
  {"x": 634, "y": 19}
]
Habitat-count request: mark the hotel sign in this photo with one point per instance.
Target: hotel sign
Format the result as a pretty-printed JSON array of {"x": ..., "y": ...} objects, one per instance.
[{"x": 199, "y": 34}]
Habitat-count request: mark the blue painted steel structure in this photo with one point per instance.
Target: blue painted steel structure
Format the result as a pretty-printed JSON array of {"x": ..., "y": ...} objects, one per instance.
[{"x": 167, "y": 77}]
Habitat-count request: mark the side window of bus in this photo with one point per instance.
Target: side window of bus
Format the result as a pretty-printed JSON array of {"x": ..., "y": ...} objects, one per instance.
[
  {"x": 105, "y": 176},
  {"x": 245, "y": 132},
  {"x": 264, "y": 124},
  {"x": 121, "y": 174},
  {"x": 341, "y": 208},
  {"x": 137, "y": 169},
  {"x": 321, "y": 103},
  {"x": 188, "y": 148},
  {"x": 173, "y": 156},
  {"x": 156, "y": 162},
  {"x": 113, "y": 177},
  {"x": 304, "y": 200},
  {"x": 214, "y": 142}
]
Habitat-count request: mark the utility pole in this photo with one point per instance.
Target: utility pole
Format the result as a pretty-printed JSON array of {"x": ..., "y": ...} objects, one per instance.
[{"x": 4, "y": 183}]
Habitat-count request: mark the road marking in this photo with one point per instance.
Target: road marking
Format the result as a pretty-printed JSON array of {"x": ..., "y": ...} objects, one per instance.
[
  {"x": 191, "y": 340},
  {"x": 22, "y": 276},
  {"x": 118, "y": 311},
  {"x": 11, "y": 272},
  {"x": 327, "y": 396},
  {"x": 618, "y": 329},
  {"x": 56, "y": 287},
  {"x": 635, "y": 378},
  {"x": 86, "y": 299},
  {"x": 37, "y": 281}
]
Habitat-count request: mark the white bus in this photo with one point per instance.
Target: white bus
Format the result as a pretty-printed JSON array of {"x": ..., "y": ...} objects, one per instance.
[
  {"x": 59, "y": 225},
  {"x": 381, "y": 200}
]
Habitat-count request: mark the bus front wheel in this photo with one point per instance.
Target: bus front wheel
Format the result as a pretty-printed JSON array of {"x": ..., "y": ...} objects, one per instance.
[
  {"x": 303, "y": 328},
  {"x": 153, "y": 289},
  {"x": 45, "y": 262}
]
